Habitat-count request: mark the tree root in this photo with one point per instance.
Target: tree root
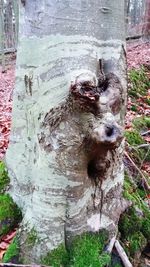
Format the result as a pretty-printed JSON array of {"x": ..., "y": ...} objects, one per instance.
[{"x": 122, "y": 254}]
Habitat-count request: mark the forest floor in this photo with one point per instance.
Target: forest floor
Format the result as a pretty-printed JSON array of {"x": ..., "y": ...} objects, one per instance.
[{"x": 138, "y": 56}]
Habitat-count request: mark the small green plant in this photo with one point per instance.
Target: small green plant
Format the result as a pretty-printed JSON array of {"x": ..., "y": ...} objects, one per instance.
[
  {"x": 12, "y": 253},
  {"x": 4, "y": 179},
  {"x": 31, "y": 237},
  {"x": 10, "y": 214},
  {"x": 134, "y": 108}
]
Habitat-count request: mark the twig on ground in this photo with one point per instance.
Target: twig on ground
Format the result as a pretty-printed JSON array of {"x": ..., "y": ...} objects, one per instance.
[
  {"x": 143, "y": 146},
  {"x": 145, "y": 133},
  {"x": 145, "y": 183},
  {"x": 122, "y": 254}
]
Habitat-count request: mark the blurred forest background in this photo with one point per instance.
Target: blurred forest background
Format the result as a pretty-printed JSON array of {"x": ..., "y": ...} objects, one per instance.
[{"x": 137, "y": 22}]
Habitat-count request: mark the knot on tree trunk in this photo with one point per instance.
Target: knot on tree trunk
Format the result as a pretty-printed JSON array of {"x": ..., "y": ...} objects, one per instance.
[
  {"x": 87, "y": 121},
  {"x": 84, "y": 137}
]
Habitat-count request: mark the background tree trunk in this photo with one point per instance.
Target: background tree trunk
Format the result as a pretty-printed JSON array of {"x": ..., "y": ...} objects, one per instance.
[
  {"x": 65, "y": 156},
  {"x": 2, "y": 38},
  {"x": 146, "y": 21}
]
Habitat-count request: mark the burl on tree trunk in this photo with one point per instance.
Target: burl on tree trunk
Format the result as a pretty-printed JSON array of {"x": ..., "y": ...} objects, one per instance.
[{"x": 84, "y": 140}]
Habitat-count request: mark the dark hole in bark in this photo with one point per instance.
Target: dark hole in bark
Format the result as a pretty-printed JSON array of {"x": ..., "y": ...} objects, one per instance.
[
  {"x": 90, "y": 169},
  {"x": 109, "y": 131},
  {"x": 93, "y": 172},
  {"x": 103, "y": 85}
]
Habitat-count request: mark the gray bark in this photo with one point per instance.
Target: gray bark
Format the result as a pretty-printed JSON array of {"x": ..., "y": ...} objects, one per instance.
[
  {"x": 65, "y": 152},
  {"x": 146, "y": 21},
  {"x": 2, "y": 38}
]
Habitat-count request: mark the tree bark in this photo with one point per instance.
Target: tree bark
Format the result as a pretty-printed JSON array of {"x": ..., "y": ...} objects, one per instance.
[
  {"x": 2, "y": 36},
  {"x": 146, "y": 21},
  {"x": 66, "y": 147}
]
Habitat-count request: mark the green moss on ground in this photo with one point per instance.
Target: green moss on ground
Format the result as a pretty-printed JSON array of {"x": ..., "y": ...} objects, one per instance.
[
  {"x": 135, "y": 243},
  {"x": 86, "y": 250},
  {"x": 141, "y": 123},
  {"x": 4, "y": 179},
  {"x": 56, "y": 258},
  {"x": 12, "y": 253},
  {"x": 129, "y": 221},
  {"x": 139, "y": 82},
  {"x": 10, "y": 214},
  {"x": 134, "y": 138},
  {"x": 146, "y": 227},
  {"x": 134, "y": 224}
]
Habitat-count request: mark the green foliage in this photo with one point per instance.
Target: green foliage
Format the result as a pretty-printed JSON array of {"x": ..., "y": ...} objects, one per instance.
[
  {"x": 131, "y": 229},
  {"x": 56, "y": 258},
  {"x": 131, "y": 192},
  {"x": 139, "y": 82},
  {"x": 12, "y": 252},
  {"x": 141, "y": 193},
  {"x": 134, "y": 138},
  {"x": 4, "y": 179},
  {"x": 135, "y": 243},
  {"x": 146, "y": 226},
  {"x": 148, "y": 101},
  {"x": 10, "y": 214},
  {"x": 129, "y": 222},
  {"x": 86, "y": 250},
  {"x": 142, "y": 122},
  {"x": 104, "y": 259}
]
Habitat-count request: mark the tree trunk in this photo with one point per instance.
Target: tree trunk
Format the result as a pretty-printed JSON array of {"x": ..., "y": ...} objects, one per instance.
[
  {"x": 66, "y": 145},
  {"x": 2, "y": 36},
  {"x": 146, "y": 21}
]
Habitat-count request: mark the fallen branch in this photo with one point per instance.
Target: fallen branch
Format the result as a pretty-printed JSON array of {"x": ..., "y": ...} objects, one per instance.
[
  {"x": 145, "y": 133},
  {"x": 143, "y": 146},
  {"x": 146, "y": 185},
  {"x": 122, "y": 254},
  {"x": 110, "y": 246}
]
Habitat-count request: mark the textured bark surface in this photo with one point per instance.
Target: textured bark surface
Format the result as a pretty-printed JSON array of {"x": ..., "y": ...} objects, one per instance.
[{"x": 65, "y": 152}]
